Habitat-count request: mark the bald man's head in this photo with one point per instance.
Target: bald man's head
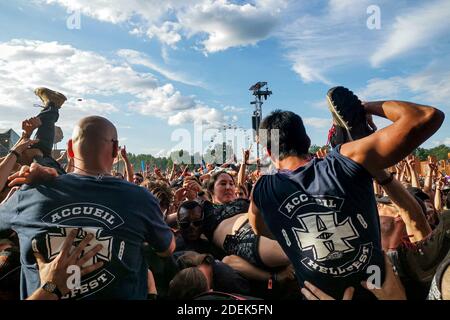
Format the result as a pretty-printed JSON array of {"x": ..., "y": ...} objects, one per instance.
[
  {"x": 94, "y": 139},
  {"x": 92, "y": 129}
]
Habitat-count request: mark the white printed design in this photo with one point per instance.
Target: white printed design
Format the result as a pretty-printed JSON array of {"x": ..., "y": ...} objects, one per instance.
[
  {"x": 54, "y": 242},
  {"x": 324, "y": 236}
]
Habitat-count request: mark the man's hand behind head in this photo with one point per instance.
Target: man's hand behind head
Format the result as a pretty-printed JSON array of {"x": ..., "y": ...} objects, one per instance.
[{"x": 33, "y": 174}]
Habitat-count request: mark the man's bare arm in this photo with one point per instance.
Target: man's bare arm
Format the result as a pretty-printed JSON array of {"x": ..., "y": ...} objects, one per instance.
[
  {"x": 257, "y": 222},
  {"x": 412, "y": 125}
]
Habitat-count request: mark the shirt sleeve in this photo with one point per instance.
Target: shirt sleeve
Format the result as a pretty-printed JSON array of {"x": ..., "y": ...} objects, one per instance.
[
  {"x": 158, "y": 233},
  {"x": 350, "y": 167},
  {"x": 8, "y": 211},
  {"x": 257, "y": 191}
]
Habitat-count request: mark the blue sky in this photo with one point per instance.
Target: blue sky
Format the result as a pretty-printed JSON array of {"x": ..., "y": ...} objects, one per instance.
[{"x": 153, "y": 67}]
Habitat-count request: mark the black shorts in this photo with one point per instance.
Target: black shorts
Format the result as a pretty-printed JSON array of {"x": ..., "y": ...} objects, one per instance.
[{"x": 244, "y": 243}]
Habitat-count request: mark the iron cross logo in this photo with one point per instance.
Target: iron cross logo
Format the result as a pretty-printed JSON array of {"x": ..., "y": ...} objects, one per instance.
[
  {"x": 326, "y": 238},
  {"x": 54, "y": 242}
]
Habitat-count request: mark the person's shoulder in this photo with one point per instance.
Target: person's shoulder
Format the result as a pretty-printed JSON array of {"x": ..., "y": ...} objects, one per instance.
[
  {"x": 141, "y": 193},
  {"x": 336, "y": 159}
]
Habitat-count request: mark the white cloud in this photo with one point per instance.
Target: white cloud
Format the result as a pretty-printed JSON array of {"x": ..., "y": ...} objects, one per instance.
[
  {"x": 320, "y": 104},
  {"x": 320, "y": 42},
  {"x": 378, "y": 88},
  {"x": 199, "y": 114},
  {"x": 230, "y": 25},
  {"x": 225, "y": 24},
  {"x": 27, "y": 64},
  {"x": 138, "y": 58},
  {"x": 429, "y": 85},
  {"x": 233, "y": 109},
  {"x": 168, "y": 33},
  {"x": 307, "y": 73},
  {"x": 415, "y": 29},
  {"x": 162, "y": 101},
  {"x": 317, "y": 123},
  {"x": 119, "y": 11},
  {"x": 445, "y": 141},
  {"x": 330, "y": 38}
]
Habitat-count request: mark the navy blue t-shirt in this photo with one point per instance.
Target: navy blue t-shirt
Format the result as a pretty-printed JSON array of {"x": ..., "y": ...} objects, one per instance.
[
  {"x": 121, "y": 216},
  {"x": 324, "y": 216}
]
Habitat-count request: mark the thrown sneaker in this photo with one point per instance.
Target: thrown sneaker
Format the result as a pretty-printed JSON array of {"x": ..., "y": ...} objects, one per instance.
[
  {"x": 49, "y": 96},
  {"x": 350, "y": 122},
  {"x": 420, "y": 260}
]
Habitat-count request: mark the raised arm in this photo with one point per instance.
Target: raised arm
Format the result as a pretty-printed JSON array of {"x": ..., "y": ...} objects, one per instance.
[
  {"x": 243, "y": 168},
  {"x": 412, "y": 125},
  {"x": 410, "y": 162},
  {"x": 256, "y": 220},
  {"x": 432, "y": 170},
  {"x": 8, "y": 162},
  {"x": 409, "y": 209},
  {"x": 129, "y": 172},
  {"x": 438, "y": 194}
]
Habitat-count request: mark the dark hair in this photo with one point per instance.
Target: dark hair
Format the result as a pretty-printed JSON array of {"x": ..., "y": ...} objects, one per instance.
[
  {"x": 187, "y": 284},
  {"x": 160, "y": 190},
  {"x": 193, "y": 259},
  {"x": 189, "y": 205},
  {"x": 293, "y": 140},
  {"x": 212, "y": 181},
  {"x": 138, "y": 174}
]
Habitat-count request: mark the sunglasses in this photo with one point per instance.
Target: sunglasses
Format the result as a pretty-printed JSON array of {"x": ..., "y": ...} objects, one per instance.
[{"x": 187, "y": 224}]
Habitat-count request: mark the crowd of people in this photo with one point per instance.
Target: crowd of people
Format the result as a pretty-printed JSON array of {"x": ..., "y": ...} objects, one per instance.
[{"x": 356, "y": 220}]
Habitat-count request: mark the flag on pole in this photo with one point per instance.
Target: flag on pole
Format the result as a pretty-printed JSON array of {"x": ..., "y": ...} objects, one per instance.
[
  {"x": 142, "y": 166},
  {"x": 204, "y": 166}
]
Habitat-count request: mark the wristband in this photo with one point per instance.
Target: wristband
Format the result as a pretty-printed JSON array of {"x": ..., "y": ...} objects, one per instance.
[
  {"x": 272, "y": 280},
  {"x": 387, "y": 180}
]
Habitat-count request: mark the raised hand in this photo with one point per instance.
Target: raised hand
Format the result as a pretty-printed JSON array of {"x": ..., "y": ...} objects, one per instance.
[
  {"x": 370, "y": 122},
  {"x": 392, "y": 288},
  {"x": 432, "y": 164},
  {"x": 32, "y": 174},
  {"x": 311, "y": 292},
  {"x": 287, "y": 273},
  {"x": 123, "y": 153},
  {"x": 185, "y": 172},
  {"x": 56, "y": 270},
  {"x": 29, "y": 125},
  {"x": 441, "y": 183},
  {"x": 23, "y": 144},
  {"x": 322, "y": 153},
  {"x": 245, "y": 155},
  {"x": 180, "y": 194},
  {"x": 410, "y": 160}
]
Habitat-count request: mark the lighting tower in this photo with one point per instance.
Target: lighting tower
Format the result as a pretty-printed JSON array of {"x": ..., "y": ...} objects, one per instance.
[{"x": 260, "y": 90}]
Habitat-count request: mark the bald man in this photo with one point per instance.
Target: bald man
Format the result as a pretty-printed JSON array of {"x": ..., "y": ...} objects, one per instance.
[{"x": 118, "y": 216}]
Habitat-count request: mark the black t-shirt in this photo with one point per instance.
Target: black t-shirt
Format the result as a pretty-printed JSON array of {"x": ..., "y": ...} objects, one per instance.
[
  {"x": 324, "y": 216},
  {"x": 121, "y": 215}
]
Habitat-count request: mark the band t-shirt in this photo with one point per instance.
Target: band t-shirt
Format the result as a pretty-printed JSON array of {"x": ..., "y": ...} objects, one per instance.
[
  {"x": 120, "y": 215},
  {"x": 324, "y": 216}
]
